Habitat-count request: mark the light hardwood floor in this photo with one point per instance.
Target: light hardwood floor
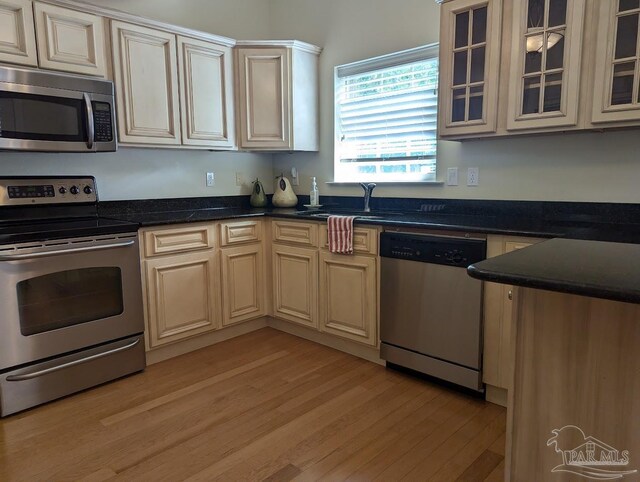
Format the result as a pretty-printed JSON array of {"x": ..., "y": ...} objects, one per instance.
[{"x": 263, "y": 406}]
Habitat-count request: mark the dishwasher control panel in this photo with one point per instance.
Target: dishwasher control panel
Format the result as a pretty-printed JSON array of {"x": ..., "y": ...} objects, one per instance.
[{"x": 451, "y": 251}]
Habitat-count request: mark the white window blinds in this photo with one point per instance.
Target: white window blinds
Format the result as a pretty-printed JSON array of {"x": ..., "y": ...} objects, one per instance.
[{"x": 386, "y": 117}]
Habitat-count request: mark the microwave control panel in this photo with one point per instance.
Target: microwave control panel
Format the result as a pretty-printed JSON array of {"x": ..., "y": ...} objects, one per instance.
[
  {"x": 103, "y": 122},
  {"x": 37, "y": 190}
]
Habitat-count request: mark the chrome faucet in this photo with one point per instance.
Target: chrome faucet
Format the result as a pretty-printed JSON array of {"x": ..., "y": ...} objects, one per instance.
[{"x": 368, "y": 189}]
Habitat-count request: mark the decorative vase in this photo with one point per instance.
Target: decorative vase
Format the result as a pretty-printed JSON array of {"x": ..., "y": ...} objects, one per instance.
[
  {"x": 283, "y": 196},
  {"x": 258, "y": 198}
]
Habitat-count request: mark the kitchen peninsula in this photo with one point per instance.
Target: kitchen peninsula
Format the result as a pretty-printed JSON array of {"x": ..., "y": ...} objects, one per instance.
[{"x": 574, "y": 403}]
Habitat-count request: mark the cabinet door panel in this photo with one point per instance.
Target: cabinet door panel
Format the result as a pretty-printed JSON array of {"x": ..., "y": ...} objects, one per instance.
[
  {"x": 469, "y": 64},
  {"x": 295, "y": 284},
  {"x": 264, "y": 78},
  {"x": 617, "y": 70},
  {"x": 17, "y": 35},
  {"x": 243, "y": 284},
  {"x": 69, "y": 40},
  {"x": 498, "y": 319},
  {"x": 146, "y": 84},
  {"x": 182, "y": 297},
  {"x": 546, "y": 46},
  {"x": 348, "y": 297},
  {"x": 206, "y": 93}
]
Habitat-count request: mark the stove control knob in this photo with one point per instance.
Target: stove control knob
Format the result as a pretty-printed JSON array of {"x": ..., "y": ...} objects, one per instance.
[
  {"x": 62, "y": 190},
  {"x": 74, "y": 190},
  {"x": 88, "y": 190}
]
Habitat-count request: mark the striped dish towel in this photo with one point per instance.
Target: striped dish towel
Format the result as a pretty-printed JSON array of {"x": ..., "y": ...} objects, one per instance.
[{"x": 340, "y": 229}]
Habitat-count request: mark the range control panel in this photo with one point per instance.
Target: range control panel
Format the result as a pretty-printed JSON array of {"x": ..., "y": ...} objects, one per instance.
[
  {"x": 21, "y": 191},
  {"x": 450, "y": 251}
]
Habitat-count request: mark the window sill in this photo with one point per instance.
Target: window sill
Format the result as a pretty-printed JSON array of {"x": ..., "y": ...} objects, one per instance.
[{"x": 387, "y": 183}]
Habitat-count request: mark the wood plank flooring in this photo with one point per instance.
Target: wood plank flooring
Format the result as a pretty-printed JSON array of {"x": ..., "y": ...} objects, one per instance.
[{"x": 263, "y": 406}]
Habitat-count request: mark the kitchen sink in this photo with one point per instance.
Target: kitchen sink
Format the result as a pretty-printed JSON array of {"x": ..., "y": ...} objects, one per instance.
[{"x": 359, "y": 214}]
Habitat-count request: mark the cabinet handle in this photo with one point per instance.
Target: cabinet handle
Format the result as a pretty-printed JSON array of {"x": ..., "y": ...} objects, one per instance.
[{"x": 510, "y": 294}]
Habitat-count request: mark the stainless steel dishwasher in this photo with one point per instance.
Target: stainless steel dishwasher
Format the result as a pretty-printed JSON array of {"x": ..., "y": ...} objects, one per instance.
[{"x": 430, "y": 309}]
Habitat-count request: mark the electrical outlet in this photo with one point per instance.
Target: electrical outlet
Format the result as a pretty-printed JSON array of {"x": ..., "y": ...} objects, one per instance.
[
  {"x": 472, "y": 176},
  {"x": 239, "y": 179},
  {"x": 211, "y": 179},
  {"x": 295, "y": 178},
  {"x": 452, "y": 176}
]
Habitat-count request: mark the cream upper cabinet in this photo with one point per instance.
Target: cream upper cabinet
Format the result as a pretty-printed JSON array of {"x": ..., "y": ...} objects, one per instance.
[
  {"x": 243, "y": 283},
  {"x": 617, "y": 68},
  {"x": 546, "y": 58},
  {"x": 69, "y": 40},
  {"x": 277, "y": 96},
  {"x": 206, "y": 94},
  {"x": 146, "y": 80},
  {"x": 469, "y": 66},
  {"x": 17, "y": 35},
  {"x": 348, "y": 296}
]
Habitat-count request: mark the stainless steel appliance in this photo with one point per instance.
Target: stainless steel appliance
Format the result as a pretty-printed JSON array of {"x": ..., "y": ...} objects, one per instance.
[
  {"x": 430, "y": 309},
  {"x": 45, "y": 111},
  {"x": 70, "y": 292}
]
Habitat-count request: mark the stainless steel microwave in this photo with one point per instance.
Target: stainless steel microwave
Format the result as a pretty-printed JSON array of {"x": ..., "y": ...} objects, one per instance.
[{"x": 46, "y": 111}]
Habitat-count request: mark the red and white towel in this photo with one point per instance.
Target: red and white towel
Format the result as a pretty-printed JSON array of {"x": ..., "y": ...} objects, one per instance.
[{"x": 340, "y": 230}]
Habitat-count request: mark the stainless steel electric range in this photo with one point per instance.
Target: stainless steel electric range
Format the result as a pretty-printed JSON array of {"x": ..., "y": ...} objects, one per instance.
[{"x": 70, "y": 292}]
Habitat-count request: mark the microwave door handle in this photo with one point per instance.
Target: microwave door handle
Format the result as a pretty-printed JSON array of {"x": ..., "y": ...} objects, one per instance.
[
  {"x": 42, "y": 254},
  {"x": 90, "y": 125}
]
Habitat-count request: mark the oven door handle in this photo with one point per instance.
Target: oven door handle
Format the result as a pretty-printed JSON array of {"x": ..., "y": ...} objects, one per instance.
[
  {"x": 57, "y": 252},
  {"x": 46, "y": 371},
  {"x": 90, "y": 125}
]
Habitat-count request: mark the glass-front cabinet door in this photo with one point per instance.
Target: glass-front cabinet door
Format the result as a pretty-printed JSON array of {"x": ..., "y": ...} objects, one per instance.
[
  {"x": 617, "y": 73},
  {"x": 469, "y": 67},
  {"x": 546, "y": 52}
]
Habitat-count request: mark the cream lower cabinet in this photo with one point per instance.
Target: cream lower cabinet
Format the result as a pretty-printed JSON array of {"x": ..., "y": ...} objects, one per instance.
[
  {"x": 243, "y": 283},
  {"x": 498, "y": 318},
  {"x": 348, "y": 296},
  {"x": 295, "y": 284},
  {"x": 17, "y": 33},
  {"x": 182, "y": 296}
]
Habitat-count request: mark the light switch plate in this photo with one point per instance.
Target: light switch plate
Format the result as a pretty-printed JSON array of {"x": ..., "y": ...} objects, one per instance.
[
  {"x": 211, "y": 179},
  {"x": 452, "y": 176}
]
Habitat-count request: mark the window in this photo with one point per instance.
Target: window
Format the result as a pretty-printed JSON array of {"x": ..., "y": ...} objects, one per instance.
[{"x": 386, "y": 117}]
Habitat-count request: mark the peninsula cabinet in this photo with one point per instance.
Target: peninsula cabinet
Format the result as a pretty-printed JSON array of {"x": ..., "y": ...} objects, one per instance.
[
  {"x": 563, "y": 65},
  {"x": 277, "y": 97},
  {"x": 181, "y": 282},
  {"x": 499, "y": 322},
  {"x": 146, "y": 80},
  {"x": 17, "y": 33}
]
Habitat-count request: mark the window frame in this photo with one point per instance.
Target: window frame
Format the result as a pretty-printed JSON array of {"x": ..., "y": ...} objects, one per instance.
[{"x": 395, "y": 59}]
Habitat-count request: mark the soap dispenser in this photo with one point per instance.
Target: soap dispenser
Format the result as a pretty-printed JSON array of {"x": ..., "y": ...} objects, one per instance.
[{"x": 314, "y": 195}]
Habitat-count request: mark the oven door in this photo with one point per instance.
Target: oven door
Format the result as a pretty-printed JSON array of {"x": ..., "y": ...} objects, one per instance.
[
  {"x": 38, "y": 118},
  {"x": 69, "y": 296}
]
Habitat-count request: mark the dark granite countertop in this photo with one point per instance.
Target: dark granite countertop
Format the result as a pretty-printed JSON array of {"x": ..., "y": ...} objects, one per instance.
[
  {"x": 514, "y": 221},
  {"x": 597, "y": 269}
]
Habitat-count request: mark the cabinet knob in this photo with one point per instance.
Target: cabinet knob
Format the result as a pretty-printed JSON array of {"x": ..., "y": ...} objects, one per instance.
[{"x": 510, "y": 294}]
